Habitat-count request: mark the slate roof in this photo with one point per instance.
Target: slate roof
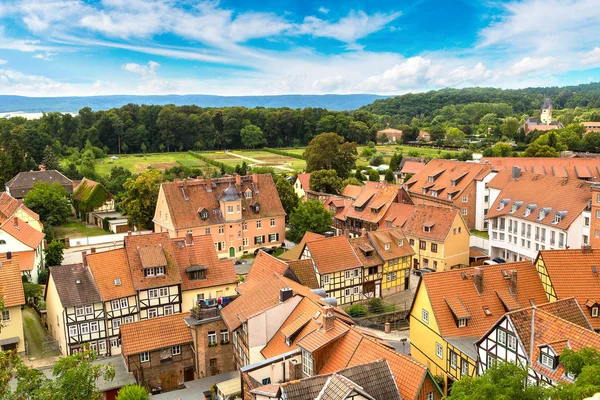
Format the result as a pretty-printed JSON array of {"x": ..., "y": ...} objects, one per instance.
[
  {"x": 24, "y": 233},
  {"x": 155, "y": 333},
  {"x": 11, "y": 286},
  {"x": 458, "y": 286},
  {"x": 111, "y": 273},
  {"x": 75, "y": 285},
  {"x": 544, "y": 191},
  {"x": 185, "y": 199},
  {"x": 23, "y": 182},
  {"x": 571, "y": 275},
  {"x": 441, "y": 217},
  {"x": 333, "y": 254},
  {"x": 573, "y": 168}
]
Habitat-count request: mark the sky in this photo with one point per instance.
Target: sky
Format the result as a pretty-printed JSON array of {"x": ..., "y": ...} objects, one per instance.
[{"x": 272, "y": 47}]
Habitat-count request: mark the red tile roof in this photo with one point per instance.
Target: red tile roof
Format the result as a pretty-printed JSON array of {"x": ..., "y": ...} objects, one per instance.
[
  {"x": 458, "y": 287},
  {"x": 333, "y": 254},
  {"x": 8, "y": 206},
  {"x": 571, "y": 275},
  {"x": 11, "y": 286},
  {"x": 374, "y": 199},
  {"x": 541, "y": 192},
  {"x": 156, "y": 242},
  {"x": 295, "y": 252},
  {"x": 263, "y": 267},
  {"x": 23, "y": 232},
  {"x": 111, "y": 274},
  {"x": 305, "y": 271},
  {"x": 397, "y": 215},
  {"x": 365, "y": 251},
  {"x": 320, "y": 338},
  {"x": 155, "y": 333},
  {"x": 351, "y": 191},
  {"x": 574, "y": 168},
  {"x": 185, "y": 199},
  {"x": 438, "y": 219},
  {"x": 393, "y": 237},
  {"x": 412, "y": 167},
  {"x": 304, "y": 181}
]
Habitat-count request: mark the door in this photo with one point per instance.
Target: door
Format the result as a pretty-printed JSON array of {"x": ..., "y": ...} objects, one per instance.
[
  {"x": 378, "y": 289},
  {"x": 169, "y": 381},
  {"x": 232, "y": 252},
  {"x": 188, "y": 374},
  {"x": 415, "y": 263},
  {"x": 406, "y": 279}
]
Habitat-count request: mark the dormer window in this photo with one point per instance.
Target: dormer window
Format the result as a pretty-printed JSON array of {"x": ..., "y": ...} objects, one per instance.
[
  {"x": 434, "y": 193},
  {"x": 515, "y": 206},
  {"x": 248, "y": 194},
  {"x": 204, "y": 214},
  {"x": 453, "y": 183},
  {"x": 503, "y": 203},
  {"x": 558, "y": 216},
  {"x": 196, "y": 272},
  {"x": 542, "y": 214},
  {"x": 547, "y": 360},
  {"x": 386, "y": 246},
  {"x": 527, "y": 212},
  {"x": 256, "y": 207},
  {"x": 154, "y": 271},
  {"x": 400, "y": 243},
  {"x": 426, "y": 229},
  {"x": 431, "y": 178},
  {"x": 595, "y": 312},
  {"x": 461, "y": 322}
]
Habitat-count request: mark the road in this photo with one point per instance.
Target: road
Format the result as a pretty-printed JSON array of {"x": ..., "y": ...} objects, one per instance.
[
  {"x": 194, "y": 389},
  {"x": 254, "y": 160}
]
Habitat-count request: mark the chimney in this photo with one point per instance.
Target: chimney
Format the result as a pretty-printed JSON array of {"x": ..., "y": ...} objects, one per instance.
[
  {"x": 328, "y": 318},
  {"x": 478, "y": 280},
  {"x": 185, "y": 183},
  {"x": 285, "y": 294},
  {"x": 295, "y": 369},
  {"x": 16, "y": 221},
  {"x": 363, "y": 232},
  {"x": 512, "y": 288},
  {"x": 238, "y": 180},
  {"x": 516, "y": 172},
  {"x": 93, "y": 250},
  {"x": 84, "y": 260},
  {"x": 189, "y": 239},
  {"x": 255, "y": 181},
  {"x": 347, "y": 232},
  {"x": 128, "y": 233}
]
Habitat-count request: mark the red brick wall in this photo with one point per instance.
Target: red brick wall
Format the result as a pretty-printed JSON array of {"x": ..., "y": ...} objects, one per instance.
[
  {"x": 223, "y": 353},
  {"x": 470, "y": 192}
]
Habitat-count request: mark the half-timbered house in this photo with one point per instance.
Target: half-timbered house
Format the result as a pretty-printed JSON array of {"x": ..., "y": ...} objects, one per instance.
[
  {"x": 453, "y": 309},
  {"x": 75, "y": 310},
  {"x": 535, "y": 337}
]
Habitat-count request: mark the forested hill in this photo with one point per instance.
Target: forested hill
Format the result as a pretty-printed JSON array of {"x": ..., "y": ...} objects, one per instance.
[
  {"x": 74, "y": 104},
  {"x": 523, "y": 101}
]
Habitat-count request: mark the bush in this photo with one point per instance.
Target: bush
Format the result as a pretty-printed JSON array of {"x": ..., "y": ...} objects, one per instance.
[
  {"x": 389, "y": 176},
  {"x": 357, "y": 311},
  {"x": 43, "y": 276},
  {"x": 375, "y": 305},
  {"x": 367, "y": 152},
  {"x": 132, "y": 392},
  {"x": 284, "y": 153},
  {"x": 374, "y": 175},
  {"x": 376, "y": 160}
]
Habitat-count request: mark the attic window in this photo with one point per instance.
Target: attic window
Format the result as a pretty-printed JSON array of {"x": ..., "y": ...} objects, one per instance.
[
  {"x": 595, "y": 312},
  {"x": 426, "y": 229},
  {"x": 431, "y": 178},
  {"x": 118, "y": 282},
  {"x": 424, "y": 191},
  {"x": 400, "y": 243},
  {"x": 461, "y": 322},
  {"x": 547, "y": 360},
  {"x": 154, "y": 271},
  {"x": 386, "y": 246},
  {"x": 558, "y": 216},
  {"x": 503, "y": 203},
  {"x": 487, "y": 311},
  {"x": 256, "y": 208},
  {"x": 515, "y": 206},
  {"x": 542, "y": 214},
  {"x": 204, "y": 215},
  {"x": 453, "y": 183},
  {"x": 248, "y": 194},
  {"x": 434, "y": 193}
]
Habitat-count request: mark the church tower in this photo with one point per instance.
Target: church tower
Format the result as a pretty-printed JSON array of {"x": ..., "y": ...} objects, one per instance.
[{"x": 546, "y": 117}]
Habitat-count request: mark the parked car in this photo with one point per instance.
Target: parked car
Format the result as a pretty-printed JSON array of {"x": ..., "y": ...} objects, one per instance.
[
  {"x": 241, "y": 262},
  {"x": 499, "y": 260},
  {"x": 489, "y": 262},
  {"x": 422, "y": 271},
  {"x": 265, "y": 249}
]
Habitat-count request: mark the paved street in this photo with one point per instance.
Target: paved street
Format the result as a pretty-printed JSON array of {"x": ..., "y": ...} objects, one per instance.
[{"x": 194, "y": 389}]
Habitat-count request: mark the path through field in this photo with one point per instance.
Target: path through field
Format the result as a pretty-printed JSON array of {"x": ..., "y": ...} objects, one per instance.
[{"x": 258, "y": 161}]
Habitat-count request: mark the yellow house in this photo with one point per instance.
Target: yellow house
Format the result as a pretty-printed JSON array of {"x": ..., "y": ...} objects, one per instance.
[
  {"x": 11, "y": 321},
  {"x": 302, "y": 185},
  {"x": 453, "y": 309},
  {"x": 438, "y": 235}
]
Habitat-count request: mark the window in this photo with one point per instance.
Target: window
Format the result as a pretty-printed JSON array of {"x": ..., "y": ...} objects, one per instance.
[
  {"x": 423, "y": 245},
  {"x": 425, "y": 316},
  {"x": 412, "y": 242},
  {"x": 168, "y": 310},
  {"x": 258, "y": 224},
  {"x": 512, "y": 342},
  {"x": 307, "y": 363},
  {"x": 595, "y": 312},
  {"x": 434, "y": 247},
  {"x": 163, "y": 292},
  {"x": 244, "y": 226},
  {"x": 464, "y": 367},
  {"x": 224, "y": 336},
  {"x": 89, "y": 309},
  {"x": 356, "y": 272},
  {"x": 439, "y": 351},
  {"x": 115, "y": 305},
  {"x": 386, "y": 246},
  {"x": 94, "y": 327},
  {"x": 586, "y": 221},
  {"x": 176, "y": 350},
  {"x": 152, "y": 313},
  {"x": 128, "y": 319},
  {"x": 462, "y": 322},
  {"x": 273, "y": 237},
  {"x": 203, "y": 215},
  {"x": 452, "y": 359},
  {"x": 346, "y": 292},
  {"x": 124, "y": 302},
  {"x": 248, "y": 194},
  {"x": 235, "y": 339},
  {"x": 272, "y": 221},
  {"x": 464, "y": 211},
  {"x": 84, "y": 329},
  {"x": 586, "y": 239},
  {"x": 229, "y": 209},
  {"x": 114, "y": 343},
  {"x": 207, "y": 231},
  {"x": 245, "y": 241},
  {"x": 491, "y": 360},
  {"x": 501, "y": 337},
  {"x": 2, "y": 241},
  {"x": 212, "y": 338},
  {"x": 465, "y": 199},
  {"x": 356, "y": 290},
  {"x": 116, "y": 323},
  {"x": 245, "y": 327},
  {"x": 347, "y": 275},
  {"x": 94, "y": 346},
  {"x": 221, "y": 229},
  {"x": 73, "y": 330},
  {"x": 547, "y": 361},
  {"x": 152, "y": 293},
  {"x": 144, "y": 357},
  {"x": 258, "y": 239},
  {"x": 391, "y": 276},
  {"x": 325, "y": 279}
]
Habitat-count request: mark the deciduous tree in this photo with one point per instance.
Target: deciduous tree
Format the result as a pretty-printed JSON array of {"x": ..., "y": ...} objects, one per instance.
[
  {"x": 50, "y": 201},
  {"x": 252, "y": 136},
  {"x": 329, "y": 151},
  {"x": 287, "y": 195},
  {"x": 139, "y": 201},
  {"x": 325, "y": 181},
  {"x": 310, "y": 216},
  {"x": 53, "y": 253}
]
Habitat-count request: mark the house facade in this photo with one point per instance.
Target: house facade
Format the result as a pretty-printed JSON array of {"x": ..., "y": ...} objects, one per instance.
[
  {"x": 11, "y": 321},
  {"x": 242, "y": 213},
  {"x": 91, "y": 200},
  {"x": 23, "y": 182},
  {"x": 20, "y": 238},
  {"x": 302, "y": 185}
]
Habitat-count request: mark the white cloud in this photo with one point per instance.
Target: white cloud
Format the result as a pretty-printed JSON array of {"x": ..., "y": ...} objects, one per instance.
[
  {"x": 48, "y": 56},
  {"x": 14, "y": 82},
  {"x": 528, "y": 65},
  {"x": 146, "y": 71},
  {"x": 461, "y": 75},
  {"x": 3, "y": 61},
  {"x": 591, "y": 57},
  {"x": 323, "y": 10}
]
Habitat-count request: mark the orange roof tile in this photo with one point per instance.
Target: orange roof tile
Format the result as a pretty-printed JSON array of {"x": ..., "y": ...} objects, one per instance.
[
  {"x": 263, "y": 267},
  {"x": 297, "y": 324},
  {"x": 556, "y": 195},
  {"x": 412, "y": 167},
  {"x": 305, "y": 271},
  {"x": 295, "y": 252},
  {"x": 351, "y": 191},
  {"x": 365, "y": 252},
  {"x": 571, "y": 275},
  {"x": 155, "y": 333},
  {"x": 11, "y": 286},
  {"x": 397, "y": 215},
  {"x": 441, "y": 217},
  {"x": 319, "y": 337},
  {"x": 23, "y": 232},
  {"x": 151, "y": 244},
  {"x": 304, "y": 181},
  {"x": 374, "y": 200},
  {"x": 333, "y": 254},
  {"x": 446, "y": 285},
  {"x": 185, "y": 199},
  {"x": 589, "y": 168},
  {"x": 111, "y": 273},
  {"x": 393, "y": 237},
  {"x": 8, "y": 206}
]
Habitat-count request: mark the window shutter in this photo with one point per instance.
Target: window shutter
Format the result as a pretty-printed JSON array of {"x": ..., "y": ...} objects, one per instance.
[
  {"x": 263, "y": 238},
  {"x": 277, "y": 237},
  {"x": 255, "y": 241}
]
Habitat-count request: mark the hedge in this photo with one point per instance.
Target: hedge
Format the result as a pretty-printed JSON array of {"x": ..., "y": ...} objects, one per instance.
[
  {"x": 228, "y": 168},
  {"x": 283, "y": 153}
]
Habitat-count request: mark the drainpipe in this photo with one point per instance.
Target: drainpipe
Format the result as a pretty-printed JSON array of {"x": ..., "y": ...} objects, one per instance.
[{"x": 532, "y": 335}]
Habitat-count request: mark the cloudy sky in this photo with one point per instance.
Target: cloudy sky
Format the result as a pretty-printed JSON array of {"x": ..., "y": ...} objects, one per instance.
[{"x": 69, "y": 47}]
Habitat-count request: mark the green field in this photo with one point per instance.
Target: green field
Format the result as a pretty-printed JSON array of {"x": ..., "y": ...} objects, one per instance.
[
  {"x": 140, "y": 162},
  {"x": 257, "y": 158},
  {"x": 388, "y": 151}
]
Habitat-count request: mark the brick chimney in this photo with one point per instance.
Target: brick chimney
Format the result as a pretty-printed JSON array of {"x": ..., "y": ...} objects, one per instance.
[
  {"x": 478, "y": 280},
  {"x": 347, "y": 232},
  {"x": 84, "y": 260},
  {"x": 328, "y": 318},
  {"x": 189, "y": 239},
  {"x": 512, "y": 286},
  {"x": 185, "y": 183},
  {"x": 93, "y": 250},
  {"x": 16, "y": 222},
  {"x": 295, "y": 369},
  {"x": 238, "y": 180}
]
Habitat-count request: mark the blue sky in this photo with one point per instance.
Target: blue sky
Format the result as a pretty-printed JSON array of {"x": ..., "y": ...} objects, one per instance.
[{"x": 69, "y": 47}]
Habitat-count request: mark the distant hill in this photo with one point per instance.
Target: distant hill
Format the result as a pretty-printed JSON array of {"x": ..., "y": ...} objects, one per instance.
[
  {"x": 521, "y": 100},
  {"x": 74, "y": 104}
]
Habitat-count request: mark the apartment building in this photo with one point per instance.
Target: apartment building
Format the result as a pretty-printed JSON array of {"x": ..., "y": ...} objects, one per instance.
[
  {"x": 242, "y": 213},
  {"x": 11, "y": 321},
  {"x": 536, "y": 212},
  {"x": 453, "y": 309}
]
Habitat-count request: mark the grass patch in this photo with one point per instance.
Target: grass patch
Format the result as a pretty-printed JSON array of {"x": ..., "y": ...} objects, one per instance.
[
  {"x": 482, "y": 234},
  {"x": 35, "y": 334},
  {"x": 75, "y": 229},
  {"x": 138, "y": 163}
]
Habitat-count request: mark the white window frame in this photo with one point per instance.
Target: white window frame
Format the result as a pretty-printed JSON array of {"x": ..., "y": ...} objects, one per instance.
[
  {"x": 89, "y": 310},
  {"x": 464, "y": 367},
  {"x": 465, "y": 199},
  {"x": 453, "y": 359},
  {"x": 145, "y": 357},
  {"x": 153, "y": 294},
  {"x": 258, "y": 224},
  {"x": 84, "y": 329},
  {"x": 176, "y": 350},
  {"x": 511, "y": 342},
  {"x": 501, "y": 337},
  {"x": 115, "y": 305},
  {"x": 425, "y": 316},
  {"x": 212, "y": 337},
  {"x": 356, "y": 290},
  {"x": 163, "y": 292},
  {"x": 116, "y": 324},
  {"x": 102, "y": 346},
  {"x": 347, "y": 275},
  {"x": 307, "y": 363},
  {"x": 439, "y": 351},
  {"x": 325, "y": 279},
  {"x": 547, "y": 361},
  {"x": 73, "y": 330},
  {"x": 272, "y": 237},
  {"x": 153, "y": 311},
  {"x": 224, "y": 334},
  {"x": 347, "y": 292},
  {"x": 168, "y": 310},
  {"x": 94, "y": 327},
  {"x": 128, "y": 319},
  {"x": 272, "y": 221},
  {"x": 124, "y": 303},
  {"x": 430, "y": 396},
  {"x": 79, "y": 311},
  {"x": 595, "y": 312}
]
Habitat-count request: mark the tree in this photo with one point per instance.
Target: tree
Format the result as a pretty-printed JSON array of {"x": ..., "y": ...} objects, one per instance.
[
  {"x": 510, "y": 127},
  {"x": 383, "y": 138},
  {"x": 376, "y": 160},
  {"x": 50, "y": 202},
  {"x": 310, "y": 216},
  {"x": 139, "y": 201},
  {"x": 502, "y": 149},
  {"x": 53, "y": 253},
  {"x": 325, "y": 181},
  {"x": 359, "y": 175},
  {"x": 287, "y": 195},
  {"x": 252, "y": 136},
  {"x": 585, "y": 367},
  {"x": 455, "y": 136},
  {"x": 537, "y": 150},
  {"x": 132, "y": 392},
  {"x": 389, "y": 176},
  {"x": 351, "y": 181},
  {"x": 49, "y": 159},
  {"x": 395, "y": 161},
  {"x": 501, "y": 381},
  {"x": 329, "y": 151},
  {"x": 374, "y": 175}
]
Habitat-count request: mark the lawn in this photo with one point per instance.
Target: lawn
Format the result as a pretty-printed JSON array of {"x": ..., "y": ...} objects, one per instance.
[
  {"x": 482, "y": 234},
  {"x": 35, "y": 334},
  {"x": 389, "y": 150},
  {"x": 74, "y": 229},
  {"x": 265, "y": 159},
  {"x": 140, "y": 162}
]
